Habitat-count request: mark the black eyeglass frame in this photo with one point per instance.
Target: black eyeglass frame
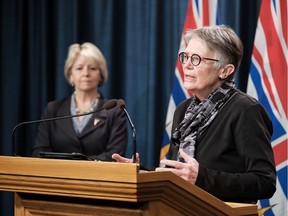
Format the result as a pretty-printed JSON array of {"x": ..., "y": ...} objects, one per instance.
[{"x": 191, "y": 58}]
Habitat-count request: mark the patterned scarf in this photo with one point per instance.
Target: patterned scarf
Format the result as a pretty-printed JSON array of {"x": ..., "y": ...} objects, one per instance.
[{"x": 199, "y": 116}]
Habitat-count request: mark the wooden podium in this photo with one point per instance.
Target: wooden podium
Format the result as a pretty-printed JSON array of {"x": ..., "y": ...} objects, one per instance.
[{"x": 70, "y": 187}]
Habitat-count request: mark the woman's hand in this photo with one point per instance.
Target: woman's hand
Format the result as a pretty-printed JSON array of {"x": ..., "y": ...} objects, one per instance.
[
  {"x": 121, "y": 159},
  {"x": 187, "y": 171}
]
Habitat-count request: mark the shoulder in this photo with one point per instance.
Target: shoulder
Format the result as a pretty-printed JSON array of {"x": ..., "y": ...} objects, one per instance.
[
  {"x": 53, "y": 106},
  {"x": 183, "y": 105},
  {"x": 245, "y": 107},
  {"x": 179, "y": 112},
  {"x": 242, "y": 97},
  {"x": 58, "y": 103},
  {"x": 243, "y": 101}
]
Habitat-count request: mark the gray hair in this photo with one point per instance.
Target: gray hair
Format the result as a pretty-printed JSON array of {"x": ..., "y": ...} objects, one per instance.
[
  {"x": 221, "y": 39},
  {"x": 90, "y": 51}
]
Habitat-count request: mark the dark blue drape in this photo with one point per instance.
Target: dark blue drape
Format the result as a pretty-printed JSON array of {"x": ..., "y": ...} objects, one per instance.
[{"x": 140, "y": 40}]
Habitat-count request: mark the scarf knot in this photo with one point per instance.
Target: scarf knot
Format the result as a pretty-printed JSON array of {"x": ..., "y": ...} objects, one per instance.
[{"x": 199, "y": 115}]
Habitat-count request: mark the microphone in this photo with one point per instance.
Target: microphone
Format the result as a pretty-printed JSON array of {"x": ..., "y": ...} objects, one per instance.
[
  {"x": 121, "y": 104},
  {"x": 107, "y": 105}
]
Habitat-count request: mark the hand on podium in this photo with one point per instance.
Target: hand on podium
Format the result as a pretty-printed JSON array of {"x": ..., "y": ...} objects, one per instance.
[
  {"x": 188, "y": 170},
  {"x": 121, "y": 159}
]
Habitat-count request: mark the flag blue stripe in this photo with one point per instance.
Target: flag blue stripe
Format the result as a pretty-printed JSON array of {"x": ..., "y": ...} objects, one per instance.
[
  {"x": 282, "y": 176},
  {"x": 265, "y": 202},
  {"x": 166, "y": 140},
  {"x": 197, "y": 6},
  {"x": 178, "y": 94}
]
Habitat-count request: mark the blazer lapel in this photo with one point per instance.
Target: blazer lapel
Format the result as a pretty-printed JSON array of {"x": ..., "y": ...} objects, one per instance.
[
  {"x": 96, "y": 120},
  {"x": 66, "y": 125}
]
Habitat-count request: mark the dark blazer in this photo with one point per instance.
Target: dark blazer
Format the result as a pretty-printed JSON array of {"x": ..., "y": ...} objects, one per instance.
[
  {"x": 235, "y": 156},
  {"x": 104, "y": 134}
]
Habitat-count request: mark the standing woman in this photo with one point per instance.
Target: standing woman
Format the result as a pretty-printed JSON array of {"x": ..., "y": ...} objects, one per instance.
[{"x": 98, "y": 135}]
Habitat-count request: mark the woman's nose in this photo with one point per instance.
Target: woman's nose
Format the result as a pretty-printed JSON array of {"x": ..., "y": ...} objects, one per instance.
[
  {"x": 85, "y": 71},
  {"x": 188, "y": 63}
]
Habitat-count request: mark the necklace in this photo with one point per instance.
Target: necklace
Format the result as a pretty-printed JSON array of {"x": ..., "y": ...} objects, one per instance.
[
  {"x": 78, "y": 112},
  {"x": 92, "y": 107}
]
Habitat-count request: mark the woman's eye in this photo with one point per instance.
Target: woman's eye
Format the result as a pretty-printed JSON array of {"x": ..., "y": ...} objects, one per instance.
[{"x": 93, "y": 68}]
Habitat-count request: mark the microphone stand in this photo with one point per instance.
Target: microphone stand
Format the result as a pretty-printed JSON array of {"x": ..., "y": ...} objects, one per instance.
[
  {"x": 37, "y": 121},
  {"x": 133, "y": 135}
]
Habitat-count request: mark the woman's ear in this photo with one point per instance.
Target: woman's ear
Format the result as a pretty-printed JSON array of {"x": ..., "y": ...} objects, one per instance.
[
  {"x": 71, "y": 81},
  {"x": 226, "y": 71}
]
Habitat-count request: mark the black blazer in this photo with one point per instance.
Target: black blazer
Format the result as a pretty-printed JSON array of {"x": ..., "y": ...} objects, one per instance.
[
  {"x": 236, "y": 161},
  {"x": 104, "y": 134}
]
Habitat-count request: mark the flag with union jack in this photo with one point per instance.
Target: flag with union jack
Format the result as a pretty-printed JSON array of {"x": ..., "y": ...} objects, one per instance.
[
  {"x": 199, "y": 13},
  {"x": 268, "y": 83}
]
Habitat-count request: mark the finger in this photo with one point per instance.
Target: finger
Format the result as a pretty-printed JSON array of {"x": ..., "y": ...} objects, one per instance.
[
  {"x": 186, "y": 157},
  {"x": 161, "y": 169},
  {"x": 137, "y": 157},
  {"x": 116, "y": 157},
  {"x": 119, "y": 158},
  {"x": 171, "y": 163}
]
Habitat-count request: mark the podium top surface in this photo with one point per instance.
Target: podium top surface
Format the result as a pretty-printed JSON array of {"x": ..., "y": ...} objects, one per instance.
[{"x": 70, "y": 169}]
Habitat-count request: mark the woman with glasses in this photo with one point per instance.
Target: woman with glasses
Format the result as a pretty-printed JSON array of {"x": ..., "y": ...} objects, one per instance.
[
  {"x": 220, "y": 138},
  {"x": 96, "y": 135}
]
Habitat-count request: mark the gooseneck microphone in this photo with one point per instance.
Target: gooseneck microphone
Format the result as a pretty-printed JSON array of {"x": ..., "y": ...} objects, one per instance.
[
  {"x": 121, "y": 104},
  {"x": 107, "y": 105}
]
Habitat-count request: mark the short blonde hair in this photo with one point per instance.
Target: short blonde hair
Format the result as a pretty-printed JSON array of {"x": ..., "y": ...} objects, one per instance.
[{"x": 89, "y": 51}]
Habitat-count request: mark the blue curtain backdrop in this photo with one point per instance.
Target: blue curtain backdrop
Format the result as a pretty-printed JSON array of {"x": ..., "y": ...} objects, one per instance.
[{"x": 140, "y": 40}]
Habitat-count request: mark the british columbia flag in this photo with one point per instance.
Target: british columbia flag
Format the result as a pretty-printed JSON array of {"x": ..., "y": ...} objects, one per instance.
[{"x": 268, "y": 83}]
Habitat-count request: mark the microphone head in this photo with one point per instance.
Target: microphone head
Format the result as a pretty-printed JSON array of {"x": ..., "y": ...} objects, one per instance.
[
  {"x": 121, "y": 103},
  {"x": 110, "y": 104}
]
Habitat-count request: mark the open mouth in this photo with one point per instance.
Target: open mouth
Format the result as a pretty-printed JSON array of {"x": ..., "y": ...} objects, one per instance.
[{"x": 189, "y": 77}]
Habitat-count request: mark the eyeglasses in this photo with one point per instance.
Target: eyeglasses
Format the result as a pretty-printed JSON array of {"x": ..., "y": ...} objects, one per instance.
[{"x": 195, "y": 58}]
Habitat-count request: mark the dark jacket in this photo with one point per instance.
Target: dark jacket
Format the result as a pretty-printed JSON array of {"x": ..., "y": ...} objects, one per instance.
[
  {"x": 104, "y": 134},
  {"x": 236, "y": 161}
]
